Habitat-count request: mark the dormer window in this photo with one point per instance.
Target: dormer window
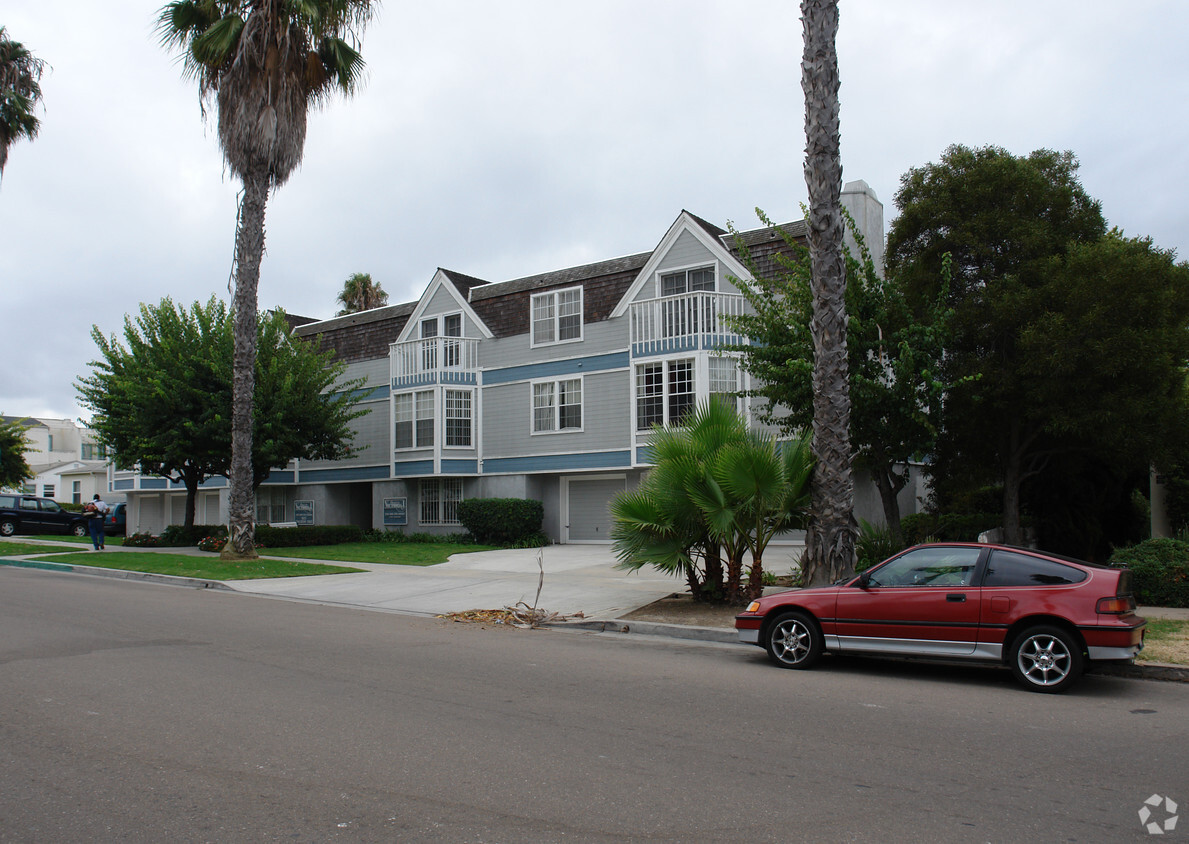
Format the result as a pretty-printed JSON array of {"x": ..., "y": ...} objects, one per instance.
[
  {"x": 687, "y": 281},
  {"x": 557, "y": 316}
]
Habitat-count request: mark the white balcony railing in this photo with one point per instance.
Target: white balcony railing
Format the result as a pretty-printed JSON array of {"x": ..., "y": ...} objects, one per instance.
[
  {"x": 683, "y": 322},
  {"x": 434, "y": 360}
]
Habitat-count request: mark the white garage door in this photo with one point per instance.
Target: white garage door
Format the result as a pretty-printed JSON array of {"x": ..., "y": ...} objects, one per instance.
[{"x": 588, "y": 501}]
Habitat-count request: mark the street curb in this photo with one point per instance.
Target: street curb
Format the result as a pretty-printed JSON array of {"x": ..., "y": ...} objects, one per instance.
[
  {"x": 1137, "y": 671},
  {"x": 119, "y": 574}
]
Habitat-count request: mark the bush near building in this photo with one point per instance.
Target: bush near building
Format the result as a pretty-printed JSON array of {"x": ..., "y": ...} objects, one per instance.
[{"x": 1160, "y": 571}]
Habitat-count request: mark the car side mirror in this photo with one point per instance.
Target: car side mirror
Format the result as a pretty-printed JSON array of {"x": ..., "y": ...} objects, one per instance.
[{"x": 865, "y": 580}]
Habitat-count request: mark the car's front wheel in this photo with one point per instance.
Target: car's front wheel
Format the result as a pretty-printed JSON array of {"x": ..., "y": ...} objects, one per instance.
[
  {"x": 8, "y": 527},
  {"x": 79, "y": 529},
  {"x": 1046, "y": 659},
  {"x": 794, "y": 640}
]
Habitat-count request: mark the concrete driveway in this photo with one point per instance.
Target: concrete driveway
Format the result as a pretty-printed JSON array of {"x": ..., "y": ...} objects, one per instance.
[{"x": 578, "y": 578}]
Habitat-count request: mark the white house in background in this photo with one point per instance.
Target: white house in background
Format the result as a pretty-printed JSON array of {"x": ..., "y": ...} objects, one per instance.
[
  {"x": 542, "y": 387},
  {"x": 68, "y": 465}
]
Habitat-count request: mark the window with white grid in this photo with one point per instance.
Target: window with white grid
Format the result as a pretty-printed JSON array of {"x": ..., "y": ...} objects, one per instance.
[
  {"x": 557, "y": 406},
  {"x": 458, "y": 418},
  {"x": 557, "y": 316},
  {"x": 414, "y": 422},
  {"x": 724, "y": 381},
  {"x": 650, "y": 395},
  {"x": 425, "y": 419},
  {"x": 439, "y": 500},
  {"x": 681, "y": 390}
]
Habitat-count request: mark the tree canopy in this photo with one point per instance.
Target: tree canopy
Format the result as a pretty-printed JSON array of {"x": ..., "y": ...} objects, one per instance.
[
  {"x": 161, "y": 399},
  {"x": 20, "y": 94},
  {"x": 894, "y": 375},
  {"x": 360, "y": 293},
  {"x": 14, "y": 442},
  {"x": 1067, "y": 339}
]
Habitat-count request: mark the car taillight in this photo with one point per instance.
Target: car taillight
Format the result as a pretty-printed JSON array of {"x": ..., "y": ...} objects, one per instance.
[{"x": 1116, "y": 605}]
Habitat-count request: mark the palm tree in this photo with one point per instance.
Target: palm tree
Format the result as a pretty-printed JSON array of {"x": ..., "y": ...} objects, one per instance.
[
  {"x": 360, "y": 293},
  {"x": 830, "y": 540},
  {"x": 20, "y": 93},
  {"x": 264, "y": 64},
  {"x": 716, "y": 490}
]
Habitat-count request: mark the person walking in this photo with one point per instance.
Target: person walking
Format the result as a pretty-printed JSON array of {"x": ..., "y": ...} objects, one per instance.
[{"x": 96, "y": 514}]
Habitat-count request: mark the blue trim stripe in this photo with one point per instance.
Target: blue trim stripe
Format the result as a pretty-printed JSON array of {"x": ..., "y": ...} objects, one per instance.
[
  {"x": 123, "y": 485},
  {"x": 558, "y": 462},
  {"x": 154, "y": 483},
  {"x": 460, "y": 467},
  {"x": 553, "y": 368},
  {"x": 217, "y": 482},
  {"x": 412, "y": 467},
  {"x": 275, "y": 477},
  {"x": 369, "y": 394},
  {"x": 644, "y": 454},
  {"x": 355, "y": 473}
]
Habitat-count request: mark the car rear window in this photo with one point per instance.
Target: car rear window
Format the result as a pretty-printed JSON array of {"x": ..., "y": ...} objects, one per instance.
[{"x": 1007, "y": 568}]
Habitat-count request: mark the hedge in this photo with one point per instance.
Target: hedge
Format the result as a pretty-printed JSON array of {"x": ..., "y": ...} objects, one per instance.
[
  {"x": 501, "y": 521},
  {"x": 291, "y": 537},
  {"x": 947, "y": 527},
  {"x": 1159, "y": 571},
  {"x": 180, "y": 536}
]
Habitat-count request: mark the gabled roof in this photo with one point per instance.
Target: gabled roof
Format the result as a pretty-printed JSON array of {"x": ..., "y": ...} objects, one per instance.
[{"x": 443, "y": 280}]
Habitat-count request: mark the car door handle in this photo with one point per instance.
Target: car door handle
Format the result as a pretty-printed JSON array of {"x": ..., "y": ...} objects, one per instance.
[{"x": 956, "y": 598}]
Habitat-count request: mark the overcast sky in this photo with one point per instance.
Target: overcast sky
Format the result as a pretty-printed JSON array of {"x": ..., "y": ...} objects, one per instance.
[{"x": 507, "y": 139}]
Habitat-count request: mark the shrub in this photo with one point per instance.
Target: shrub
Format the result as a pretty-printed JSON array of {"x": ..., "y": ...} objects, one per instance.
[
  {"x": 947, "y": 527},
  {"x": 180, "y": 536},
  {"x": 212, "y": 543},
  {"x": 874, "y": 545},
  {"x": 291, "y": 537},
  {"x": 501, "y": 521},
  {"x": 1159, "y": 571},
  {"x": 141, "y": 540},
  {"x": 401, "y": 536}
]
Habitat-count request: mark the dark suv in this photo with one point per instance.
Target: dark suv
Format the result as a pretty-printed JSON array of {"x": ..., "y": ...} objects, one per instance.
[
  {"x": 115, "y": 523},
  {"x": 29, "y": 514}
]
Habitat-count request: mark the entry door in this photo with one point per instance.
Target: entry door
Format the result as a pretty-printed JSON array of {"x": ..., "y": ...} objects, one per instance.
[{"x": 588, "y": 503}]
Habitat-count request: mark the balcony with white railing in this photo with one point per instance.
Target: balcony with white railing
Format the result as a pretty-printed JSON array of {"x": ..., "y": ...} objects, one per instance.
[
  {"x": 434, "y": 360},
  {"x": 686, "y": 322}
]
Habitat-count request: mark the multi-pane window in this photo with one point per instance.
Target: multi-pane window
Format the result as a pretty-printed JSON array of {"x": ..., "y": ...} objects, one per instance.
[
  {"x": 76, "y": 494},
  {"x": 557, "y": 405},
  {"x": 687, "y": 281},
  {"x": 93, "y": 451},
  {"x": 650, "y": 395},
  {"x": 451, "y": 349},
  {"x": 458, "y": 418},
  {"x": 557, "y": 316},
  {"x": 439, "y": 501},
  {"x": 724, "y": 381},
  {"x": 47, "y": 490},
  {"x": 414, "y": 420},
  {"x": 665, "y": 392}
]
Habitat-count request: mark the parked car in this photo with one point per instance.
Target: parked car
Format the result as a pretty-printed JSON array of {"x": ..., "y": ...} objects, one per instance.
[
  {"x": 29, "y": 514},
  {"x": 115, "y": 523},
  {"x": 1047, "y": 617}
]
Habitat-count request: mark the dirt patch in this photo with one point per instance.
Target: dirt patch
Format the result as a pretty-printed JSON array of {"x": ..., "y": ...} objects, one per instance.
[{"x": 685, "y": 610}]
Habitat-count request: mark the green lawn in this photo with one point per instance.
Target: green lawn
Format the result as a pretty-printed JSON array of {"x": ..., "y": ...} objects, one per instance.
[
  {"x": 16, "y": 549},
  {"x": 393, "y": 553},
  {"x": 206, "y": 566}
]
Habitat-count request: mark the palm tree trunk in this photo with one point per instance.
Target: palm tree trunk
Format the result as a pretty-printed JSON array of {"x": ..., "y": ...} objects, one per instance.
[
  {"x": 830, "y": 538},
  {"x": 249, "y": 248}
]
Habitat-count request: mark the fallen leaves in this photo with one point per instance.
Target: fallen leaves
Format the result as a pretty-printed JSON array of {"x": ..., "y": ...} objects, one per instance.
[{"x": 521, "y": 615}]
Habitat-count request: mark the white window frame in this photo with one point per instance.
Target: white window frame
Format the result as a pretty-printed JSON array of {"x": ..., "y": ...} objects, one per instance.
[
  {"x": 661, "y": 275},
  {"x": 417, "y": 411},
  {"x": 553, "y": 297},
  {"x": 470, "y": 417},
  {"x": 442, "y": 500},
  {"x": 555, "y": 405},
  {"x": 666, "y": 394}
]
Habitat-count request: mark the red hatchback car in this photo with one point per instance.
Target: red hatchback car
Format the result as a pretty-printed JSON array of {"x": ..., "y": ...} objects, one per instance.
[{"x": 1045, "y": 616}]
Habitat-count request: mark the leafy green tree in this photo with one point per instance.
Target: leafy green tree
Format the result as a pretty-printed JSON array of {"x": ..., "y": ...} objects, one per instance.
[
  {"x": 14, "y": 442},
  {"x": 894, "y": 359},
  {"x": 830, "y": 539},
  {"x": 20, "y": 94},
  {"x": 161, "y": 399},
  {"x": 360, "y": 293},
  {"x": 1077, "y": 337},
  {"x": 716, "y": 489},
  {"x": 263, "y": 64}
]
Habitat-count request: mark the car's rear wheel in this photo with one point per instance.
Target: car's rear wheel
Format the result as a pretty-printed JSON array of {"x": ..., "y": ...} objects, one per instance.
[
  {"x": 793, "y": 640},
  {"x": 79, "y": 529},
  {"x": 1046, "y": 659},
  {"x": 7, "y": 527}
]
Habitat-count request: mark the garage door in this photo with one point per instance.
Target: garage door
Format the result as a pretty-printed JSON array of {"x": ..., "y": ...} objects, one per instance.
[{"x": 588, "y": 508}]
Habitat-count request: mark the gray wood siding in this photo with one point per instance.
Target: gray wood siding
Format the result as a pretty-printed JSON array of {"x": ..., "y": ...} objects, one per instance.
[
  {"x": 606, "y": 420},
  {"x": 610, "y": 335}
]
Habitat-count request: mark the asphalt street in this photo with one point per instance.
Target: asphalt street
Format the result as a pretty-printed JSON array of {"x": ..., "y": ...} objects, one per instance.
[{"x": 140, "y": 712}]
